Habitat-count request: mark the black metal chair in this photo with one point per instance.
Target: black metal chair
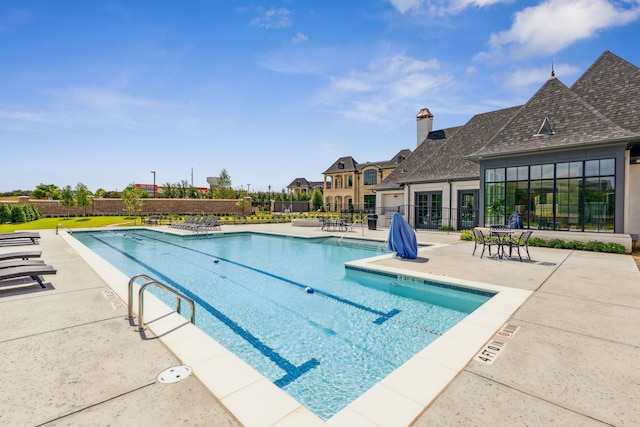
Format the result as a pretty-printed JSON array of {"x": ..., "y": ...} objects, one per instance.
[
  {"x": 521, "y": 241},
  {"x": 480, "y": 239}
]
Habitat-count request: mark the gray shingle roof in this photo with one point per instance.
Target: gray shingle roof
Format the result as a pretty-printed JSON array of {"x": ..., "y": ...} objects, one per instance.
[
  {"x": 573, "y": 121},
  {"x": 348, "y": 164},
  {"x": 441, "y": 159},
  {"x": 432, "y": 143},
  {"x": 304, "y": 183},
  {"x": 602, "y": 107},
  {"x": 612, "y": 86}
]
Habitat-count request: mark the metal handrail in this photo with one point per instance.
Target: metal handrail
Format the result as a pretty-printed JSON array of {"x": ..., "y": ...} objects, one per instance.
[
  {"x": 154, "y": 282},
  {"x": 62, "y": 225},
  {"x": 351, "y": 227}
]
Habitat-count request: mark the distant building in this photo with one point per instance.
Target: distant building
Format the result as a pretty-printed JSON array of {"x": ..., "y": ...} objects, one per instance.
[
  {"x": 351, "y": 185},
  {"x": 302, "y": 185}
]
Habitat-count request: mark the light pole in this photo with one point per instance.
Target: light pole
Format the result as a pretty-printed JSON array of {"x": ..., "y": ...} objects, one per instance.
[{"x": 154, "y": 183}]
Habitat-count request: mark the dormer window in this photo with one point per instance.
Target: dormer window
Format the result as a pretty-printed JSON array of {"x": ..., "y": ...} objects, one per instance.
[
  {"x": 401, "y": 159},
  {"x": 340, "y": 165},
  {"x": 545, "y": 128}
]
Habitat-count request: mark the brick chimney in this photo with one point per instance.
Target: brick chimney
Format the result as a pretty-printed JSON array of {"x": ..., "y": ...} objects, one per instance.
[{"x": 425, "y": 124}]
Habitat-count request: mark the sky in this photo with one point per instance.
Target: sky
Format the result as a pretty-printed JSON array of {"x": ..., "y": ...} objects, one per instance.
[{"x": 105, "y": 92}]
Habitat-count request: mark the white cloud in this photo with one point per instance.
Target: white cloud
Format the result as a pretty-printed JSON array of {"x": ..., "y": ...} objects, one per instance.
[
  {"x": 555, "y": 24},
  {"x": 388, "y": 84},
  {"x": 404, "y": 6},
  {"x": 440, "y": 7},
  {"x": 299, "y": 38},
  {"x": 106, "y": 99},
  {"x": 537, "y": 76},
  {"x": 272, "y": 18}
]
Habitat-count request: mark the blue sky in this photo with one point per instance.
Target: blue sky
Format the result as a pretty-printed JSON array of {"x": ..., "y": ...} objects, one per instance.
[{"x": 104, "y": 92}]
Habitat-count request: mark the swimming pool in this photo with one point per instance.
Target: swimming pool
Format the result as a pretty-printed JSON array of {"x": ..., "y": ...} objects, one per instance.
[{"x": 324, "y": 348}]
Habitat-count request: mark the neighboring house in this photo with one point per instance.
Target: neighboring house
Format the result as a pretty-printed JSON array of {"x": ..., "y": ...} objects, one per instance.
[
  {"x": 351, "y": 185},
  {"x": 565, "y": 160},
  {"x": 302, "y": 185}
]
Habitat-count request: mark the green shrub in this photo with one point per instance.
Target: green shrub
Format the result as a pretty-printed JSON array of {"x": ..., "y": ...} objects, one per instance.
[
  {"x": 466, "y": 235},
  {"x": 574, "y": 244},
  {"x": 593, "y": 245},
  {"x": 445, "y": 228},
  {"x": 5, "y": 214},
  {"x": 17, "y": 214}
]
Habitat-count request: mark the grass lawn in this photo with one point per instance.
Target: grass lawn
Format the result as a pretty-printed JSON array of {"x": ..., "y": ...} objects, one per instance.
[{"x": 73, "y": 222}]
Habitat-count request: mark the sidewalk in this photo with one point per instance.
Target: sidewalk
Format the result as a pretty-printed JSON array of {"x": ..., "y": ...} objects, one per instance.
[{"x": 72, "y": 358}]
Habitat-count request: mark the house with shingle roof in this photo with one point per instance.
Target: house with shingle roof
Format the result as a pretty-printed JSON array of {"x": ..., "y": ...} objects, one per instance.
[
  {"x": 565, "y": 160},
  {"x": 303, "y": 185},
  {"x": 350, "y": 185}
]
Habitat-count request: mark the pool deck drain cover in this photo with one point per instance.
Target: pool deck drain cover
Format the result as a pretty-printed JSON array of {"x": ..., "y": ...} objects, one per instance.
[{"x": 174, "y": 374}]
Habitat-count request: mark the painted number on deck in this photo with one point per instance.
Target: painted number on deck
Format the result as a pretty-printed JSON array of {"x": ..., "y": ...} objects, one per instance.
[{"x": 489, "y": 353}]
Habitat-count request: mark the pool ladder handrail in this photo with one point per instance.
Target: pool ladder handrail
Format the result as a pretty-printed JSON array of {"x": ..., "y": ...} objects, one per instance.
[
  {"x": 153, "y": 282},
  {"x": 351, "y": 227},
  {"x": 62, "y": 225}
]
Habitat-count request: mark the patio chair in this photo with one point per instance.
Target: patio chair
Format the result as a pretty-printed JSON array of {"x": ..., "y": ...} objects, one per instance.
[
  {"x": 30, "y": 271},
  {"x": 480, "y": 239},
  {"x": 521, "y": 241}
]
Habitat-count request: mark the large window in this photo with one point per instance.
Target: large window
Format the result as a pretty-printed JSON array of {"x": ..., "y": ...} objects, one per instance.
[
  {"x": 560, "y": 196},
  {"x": 369, "y": 202},
  {"x": 370, "y": 177}
]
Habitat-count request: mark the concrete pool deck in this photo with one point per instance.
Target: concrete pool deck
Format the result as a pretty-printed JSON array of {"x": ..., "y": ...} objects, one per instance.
[{"x": 71, "y": 357}]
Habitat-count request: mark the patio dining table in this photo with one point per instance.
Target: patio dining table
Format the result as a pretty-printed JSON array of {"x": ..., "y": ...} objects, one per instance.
[
  {"x": 334, "y": 225},
  {"x": 504, "y": 239}
]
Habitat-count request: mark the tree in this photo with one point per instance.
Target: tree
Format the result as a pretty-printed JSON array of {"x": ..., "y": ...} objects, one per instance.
[
  {"x": 100, "y": 192},
  {"x": 223, "y": 190},
  {"x": 17, "y": 214},
  {"x": 67, "y": 198},
  {"x": 44, "y": 191},
  {"x": 131, "y": 199},
  {"x": 5, "y": 213},
  {"x": 82, "y": 194},
  {"x": 316, "y": 200},
  {"x": 182, "y": 187},
  {"x": 169, "y": 191}
]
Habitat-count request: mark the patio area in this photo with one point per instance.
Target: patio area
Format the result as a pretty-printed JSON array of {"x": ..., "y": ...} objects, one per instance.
[{"x": 568, "y": 357}]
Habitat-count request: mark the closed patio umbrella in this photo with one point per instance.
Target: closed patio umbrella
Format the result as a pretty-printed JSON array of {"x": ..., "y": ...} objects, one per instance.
[{"x": 402, "y": 238}]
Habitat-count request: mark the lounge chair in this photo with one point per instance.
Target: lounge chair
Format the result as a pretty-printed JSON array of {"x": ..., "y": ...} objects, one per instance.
[
  {"x": 480, "y": 239},
  {"x": 20, "y": 255},
  {"x": 210, "y": 223},
  {"x": 19, "y": 238},
  {"x": 20, "y": 262},
  {"x": 31, "y": 271}
]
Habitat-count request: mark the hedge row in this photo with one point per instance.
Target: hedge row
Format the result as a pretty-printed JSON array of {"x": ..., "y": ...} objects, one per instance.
[
  {"x": 593, "y": 245},
  {"x": 16, "y": 213}
]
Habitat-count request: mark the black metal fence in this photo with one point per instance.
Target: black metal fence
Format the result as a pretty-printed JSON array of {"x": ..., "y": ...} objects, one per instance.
[{"x": 419, "y": 217}]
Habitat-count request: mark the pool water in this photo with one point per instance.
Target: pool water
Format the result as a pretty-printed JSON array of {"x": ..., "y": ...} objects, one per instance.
[{"x": 288, "y": 306}]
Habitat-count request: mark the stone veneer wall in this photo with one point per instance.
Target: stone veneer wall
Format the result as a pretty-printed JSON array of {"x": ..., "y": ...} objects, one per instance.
[{"x": 101, "y": 206}]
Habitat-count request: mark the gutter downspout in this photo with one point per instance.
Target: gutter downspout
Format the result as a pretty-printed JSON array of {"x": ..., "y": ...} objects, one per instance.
[{"x": 450, "y": 201}]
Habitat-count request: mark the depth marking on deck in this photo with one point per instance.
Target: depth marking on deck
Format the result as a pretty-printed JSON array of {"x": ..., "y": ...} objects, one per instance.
[
  {"x": 113, "y": 299},
  {"x": 508, "y": 330},
  {"x": 490, "y": 352}
]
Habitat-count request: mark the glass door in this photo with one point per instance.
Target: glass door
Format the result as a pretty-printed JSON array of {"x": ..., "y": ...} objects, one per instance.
[
  {"x": 429, "y": 210},
  {"x": 467, "y": 209}
]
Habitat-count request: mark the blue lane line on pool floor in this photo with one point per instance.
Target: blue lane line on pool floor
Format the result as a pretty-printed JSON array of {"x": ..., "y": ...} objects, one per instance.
[
  {"x": 383, "y": 317},
  {"x": 293, "y": 372}
]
